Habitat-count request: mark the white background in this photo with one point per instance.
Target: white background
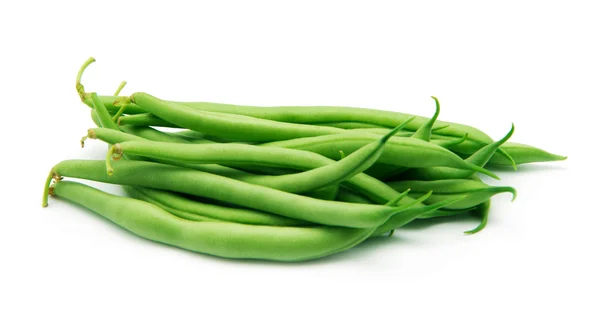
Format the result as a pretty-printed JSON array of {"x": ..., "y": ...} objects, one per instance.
[{"x": 534, "y": 63}]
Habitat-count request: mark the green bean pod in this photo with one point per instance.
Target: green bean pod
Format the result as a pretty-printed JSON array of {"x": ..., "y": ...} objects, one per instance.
[
  {"x": 372, "y": 188},
  {"x": 479, "y": 158},
  {"x": 482, "y": 210},
  {"x": 133, "y": 193},
  {"x": 475, "y": 192},
  {"x": 522, "y": 154},
  {"x": 240, "y": 128},
  {"x": 329, "y": 114},
  {"x": 303, "y": 182},
  {"x": 223, "y": 239},
  {"x": 402, "y": 152},
  {"x": 189, "y": 181},
  {"x": 142, "y": 131},
  {"x": 398, "y": 221},
  {"x": 328, "y": 117},
  {"x": 176, "y": 204}
]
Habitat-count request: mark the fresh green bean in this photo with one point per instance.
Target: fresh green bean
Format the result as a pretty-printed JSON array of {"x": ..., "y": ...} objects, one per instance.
[
  {"x": 476, "y": 192},
  {"x": 398, "y": 221},
  {"x": 344, "y": 117},
  {"x": 368, "y": 186},
  {"x": 279, "y": 157},
  {"x": 522, "y": 154},
  {"x": 329, "y": 114},
  {"x": 479, "y": 158},
  {"x": 383, "y": 171},
  {"x": 103, "y": 115},
  {"x": 402, "y": 152},
  {"x": 143, "y": 132},
  {"x": 175, "y": 204},
  {"x": 226, "y": 126},
  {"x": 482, "y": 210},
  {"x": 223, "y": 239},
  {"x": 134, "y": 193},
  {"x": 171, "y": 178},
  {"x": 113, "y": 137}
]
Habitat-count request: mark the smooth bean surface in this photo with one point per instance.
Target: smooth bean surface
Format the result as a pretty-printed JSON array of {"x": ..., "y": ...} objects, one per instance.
[{"x": 166, "y": 177}]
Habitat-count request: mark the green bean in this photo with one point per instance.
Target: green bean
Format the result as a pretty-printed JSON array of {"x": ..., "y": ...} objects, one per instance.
[
  {"x": 522, "y": 154},
  {"x": 226, "y": 126},
  {"x": 403, "y": 152},
  {"x": 148, "y": 119},
  {"x": 223, "y": 239},
  {"x": 372, "y": 188},
  {"x": 134, "y": 193},
  {"x": 375, "y": 189},
  {"x": 103, "y": 115},
  {"x": 383, "y": 171},
  {"x": 476, "y": 192},
  {"x": 143, "y": 132},
  {"x": 108, "y": 102},
  {"x": 329, "y": 114},
  {"x": 338, "y": 116},
  {"x": 176, "y": 204},
  {"x": 279, "y": 157},
  {"x": 398, "y": 221},
  {"x": 479, "y": 158},
  {"x": 113, "y": 137},
  {"x": 176, "y": 179},
  {"x": 482, "y": 210}
]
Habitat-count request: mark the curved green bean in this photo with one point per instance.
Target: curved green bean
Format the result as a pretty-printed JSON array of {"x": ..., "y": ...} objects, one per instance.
[
  {"x": 482, "y": 210},
  {"x": 175, "y": 204},
  {"x": 403, "y": 152},
  {"x": 479, "y": 158},
  {"x": 226, "y": 126},
  {"x": 303, "y": 182},
  {"x": 223, "y": 239},
  {"x": 171, "y": 178},
  {"x": 374, "y": 189},
  {"x": 476, "y": 192}
]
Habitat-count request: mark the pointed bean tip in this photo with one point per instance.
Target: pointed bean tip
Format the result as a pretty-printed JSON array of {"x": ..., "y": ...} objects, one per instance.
[
  {"x": 485, "y": 171},
  {"x": 513, "y": 191}
]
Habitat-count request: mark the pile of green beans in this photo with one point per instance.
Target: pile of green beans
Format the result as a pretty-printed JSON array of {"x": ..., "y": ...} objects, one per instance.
[{"x": 280, "y": 183}]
